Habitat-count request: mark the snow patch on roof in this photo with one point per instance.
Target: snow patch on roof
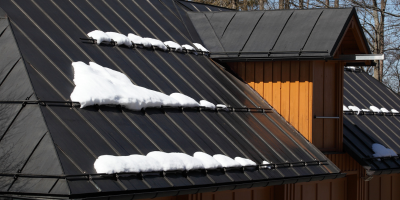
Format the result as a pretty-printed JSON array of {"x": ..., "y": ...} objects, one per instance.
[
  {"x": 245, "y": 162},
  {"x": 138, "y": 40},
  {"x": 384, "y": 110},
  {"x": 134, "y": 163},
  {"x": 184, "y": 100},
  {"x": 201, "y": 47},
  {"x": 375, "y": 109},
  {"x": 119, "y": 39},
  {"x": 207, "y": 104},
  {"x": 208, "y": 161},
  {"x": 355, "y": 109},
  {"x": 381, "y": 151},
  {"x": 99, "y": 36},
  {"x": 226, "y": 161},
  {"x": 345, "y": 108},
  {"x": 394, "y": 111},
  {"x": 223, "y": 107},
  {"x": 156, "y": 43},
  {"x": 103, "y": 86},
  {"x": 188, "y": 47},
  {"x": 174, "y": 45}
]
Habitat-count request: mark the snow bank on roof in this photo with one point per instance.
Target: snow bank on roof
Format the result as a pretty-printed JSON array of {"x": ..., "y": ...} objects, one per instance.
[
  {"x": 222, "y": 106},
  {"x": 208, "y": 161},
  {"x": 266, "y": 163},
  {"x": 226, "y": 161},
  {"x": 138, "y": 40},
  {"x": 184, "y": 100},
  {"x": 345, "y": 108},
  {"x": 207, "y": 104},
  {"x": 174, "y": 45},
  {"x": 245, "y": 162},
  {"x": 384, "y": 110},
  {"x": 355, "y": 109},
  {"x": 375, "y": 109},
  {"x": 99, "y": 36},
  {"x": 394, "y": 111},
  {"x": 190, "y": 162},
  {"x": 188, "y": 47},
  {"x": 366, "y": 110},
  {"x": 103, "y": 86},
  {"x": 156, "y": 43},
  {"x": 199, "y": 46},
  {"x": 119, "y": 39},
  {"x": 381, "y": 151},
  {"x": 134, "y": 163},
  {"x": 168, "y": 162}
]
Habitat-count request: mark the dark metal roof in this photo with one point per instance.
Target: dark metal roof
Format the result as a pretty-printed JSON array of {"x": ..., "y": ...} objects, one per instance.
[
  {"x": 361, "y": 131},
  {"x": 299, "y": 34},
  {"x": 50, "y": 144}
]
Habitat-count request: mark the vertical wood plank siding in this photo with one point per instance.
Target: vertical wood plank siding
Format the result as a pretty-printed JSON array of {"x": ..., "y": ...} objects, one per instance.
[{"x": 300, "y": 90}]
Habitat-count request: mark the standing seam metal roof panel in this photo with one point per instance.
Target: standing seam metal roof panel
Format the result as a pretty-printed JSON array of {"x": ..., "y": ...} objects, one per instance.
[{"x": 48, "y": 35}]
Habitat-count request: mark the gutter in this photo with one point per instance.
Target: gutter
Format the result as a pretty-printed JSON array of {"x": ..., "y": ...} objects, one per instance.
[{"x": 174, "y": 191}]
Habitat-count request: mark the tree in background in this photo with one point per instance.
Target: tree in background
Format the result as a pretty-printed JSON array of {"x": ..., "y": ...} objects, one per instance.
[{"x": 379, "y": 20}]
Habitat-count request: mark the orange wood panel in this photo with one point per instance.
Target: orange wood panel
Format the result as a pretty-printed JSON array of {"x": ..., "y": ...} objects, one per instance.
[
  {"x": 304, "y": 100},
  {"x": 294, "y": 94},
  {"x": 318, "y": 103},
  {"x": 250, "y": 74},
  {"x": 285, "y": 90},
  {"x": 276, "y": 85},
  {"x": 310, "y": 98},
  {"x": 259, "y": 77},
  {"x": 330, "y": 105},
  {"x": 268, "y": 72}
]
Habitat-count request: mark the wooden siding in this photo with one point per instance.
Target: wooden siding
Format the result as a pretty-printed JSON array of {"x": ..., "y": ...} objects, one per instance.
[
  {"x": 328, "y": 102},
  {"x": 335, "y": 189},
  {"x": 300, "y": 90},
  {"x": 383, "y": 187},
  {"x": 261, "y": 193}
]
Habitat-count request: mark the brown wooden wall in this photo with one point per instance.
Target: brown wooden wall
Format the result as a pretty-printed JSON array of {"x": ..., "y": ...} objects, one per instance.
[
  {"x": 300, "y": 90},
  {"x": 261, "y": 193}
]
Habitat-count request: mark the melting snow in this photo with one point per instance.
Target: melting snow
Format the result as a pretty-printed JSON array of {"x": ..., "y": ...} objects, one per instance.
[
  {"x": 365, "y": 110},
  {"x": 156, "y": 43},
  {"x": 381, "y": 151},
  {"x": 190, "y": 162},
  {"x": 138, "y": 40},
  {"x": 199, "y": 46},
  {"x": 133, "y": 163},
  {"x": 355, "y": 109},
  {"x": 394, "y": 111},
  {"x": 384, "y": 110},
  {"x": 120, "y": 39},
  {"x": 208, "y": 161},
  {"x": 375, "y": 109},
  {"x": 188, "y": 47},
  {"x": 223, "y": 107},
  {"x": 172, "y": 44},
  {"x": 266, "y": 163},
  {"x": 207, "y": 104},
  {"x": 345, "y": 108},
  {"x": 184, "y": 100},
  {"x": 99, "y": 36},
  {"x": 167, "y": 161},
  {"x": 245, "y": 162},
  {"x": 226, "y": 161},
  {"x": 103, "y": 86}
]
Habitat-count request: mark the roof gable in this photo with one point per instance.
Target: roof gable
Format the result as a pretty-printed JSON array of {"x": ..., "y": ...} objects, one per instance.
[{"x": 300, "y": 34}]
